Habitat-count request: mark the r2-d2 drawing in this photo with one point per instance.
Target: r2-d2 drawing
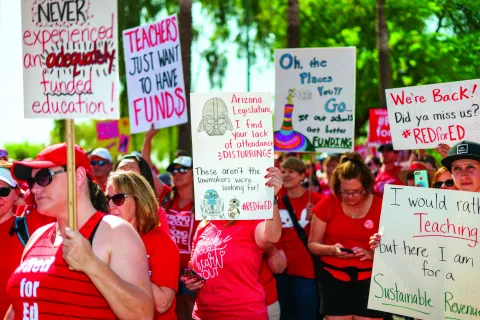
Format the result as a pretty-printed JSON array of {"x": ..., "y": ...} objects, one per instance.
[{"x": 212, "y": 206}]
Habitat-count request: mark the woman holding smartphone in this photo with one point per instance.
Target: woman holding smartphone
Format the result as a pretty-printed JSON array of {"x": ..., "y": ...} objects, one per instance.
[
  {"x": 228, "y": 255},
  {"x": 341, "y": 228}
]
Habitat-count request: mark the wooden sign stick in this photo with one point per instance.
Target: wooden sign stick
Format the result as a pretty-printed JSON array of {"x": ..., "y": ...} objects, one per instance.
[{"x": 71, "y": 174}]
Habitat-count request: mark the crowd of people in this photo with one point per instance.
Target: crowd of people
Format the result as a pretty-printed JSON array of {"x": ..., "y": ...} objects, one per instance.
[{"x": 139, "y": 253}]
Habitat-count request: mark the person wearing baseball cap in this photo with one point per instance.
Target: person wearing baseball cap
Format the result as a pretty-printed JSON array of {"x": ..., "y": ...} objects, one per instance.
[
  {"x": 3, "y": 154},
  {"x": 463, "y": 161},
  {"x": 102, "y": 165},
  {"x": 179, "y": 204},
  {"x": 113, "y": 274},
  {"x": 388, "y": 173}
]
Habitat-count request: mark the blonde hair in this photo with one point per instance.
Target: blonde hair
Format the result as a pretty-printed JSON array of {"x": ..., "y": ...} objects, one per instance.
[{"x": 146, "y": 204}]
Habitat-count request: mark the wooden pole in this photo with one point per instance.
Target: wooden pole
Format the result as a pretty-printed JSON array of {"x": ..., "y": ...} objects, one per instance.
[
  {"x": 71, "y": 171},
  {"x": 312, "y": 169}
]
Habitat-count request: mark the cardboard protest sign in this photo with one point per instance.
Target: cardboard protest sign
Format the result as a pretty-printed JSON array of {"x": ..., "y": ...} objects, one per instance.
[
  {"x": 114, "y": 135},
  {"x": 423, "y": 117},
  {"x": 314, "y": 99},
  {"x": 232, "y": 140},
  {"x": 70, "y": 59},
  {"x": 426, "y": 266},
  {"x": 153, "y": 62},
  {"x": 379, "y": 127}
]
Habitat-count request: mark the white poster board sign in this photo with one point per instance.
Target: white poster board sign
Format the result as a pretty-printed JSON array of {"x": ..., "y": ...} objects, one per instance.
[
  {"x": 426, "y": 266},
  {"x": 315, "y": 99},
  {"x": 232, "y": 141},
  {"x": 153, "y": 64},
  {"x": 422, "y": 117},
  {"x": 70, "y": 59}
]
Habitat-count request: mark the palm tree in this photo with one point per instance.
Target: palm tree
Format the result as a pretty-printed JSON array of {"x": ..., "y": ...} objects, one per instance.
[
  {"x": 186, "y": 36},
  {"x": 293, "y": 24},
  {"x": 383, "y": 55}
]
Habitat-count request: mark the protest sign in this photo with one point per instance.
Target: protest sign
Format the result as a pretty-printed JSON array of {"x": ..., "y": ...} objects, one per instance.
[
  {"x": 114, "y": 135},
  {"x": 379, "y": 127},
  {"x": 314, "y": 99},
  {"x": 70, "y": 59},
  {"x": 153, "y": 63},
  {"x": 232, "y": 140},
  {"x": 423, "y": 117},
  {"x": 426, "y": 266}
]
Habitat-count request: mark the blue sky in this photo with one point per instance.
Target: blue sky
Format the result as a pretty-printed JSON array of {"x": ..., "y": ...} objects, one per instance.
[{"x": 17, "y": 129}]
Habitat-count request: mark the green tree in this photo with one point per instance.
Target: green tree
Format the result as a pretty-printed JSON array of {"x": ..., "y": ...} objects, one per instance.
[{"x": 23, "y": 150}]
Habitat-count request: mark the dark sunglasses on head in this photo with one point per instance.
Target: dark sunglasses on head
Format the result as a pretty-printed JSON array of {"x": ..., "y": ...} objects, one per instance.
[
  {"x": 99, "y": 163},
  {"x": 43, "y": 177},
  {"x": 448, "y": 183},
  {"x": 118, "y": 199},
  {"x": 5, "y": 191},
  {"x": 181, "y": 170}
]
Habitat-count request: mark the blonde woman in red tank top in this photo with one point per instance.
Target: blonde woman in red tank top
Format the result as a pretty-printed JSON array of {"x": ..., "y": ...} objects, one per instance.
[{"x": 81, "y": 274}]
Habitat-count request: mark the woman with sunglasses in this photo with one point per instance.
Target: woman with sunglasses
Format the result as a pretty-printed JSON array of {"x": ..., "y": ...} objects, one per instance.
[
  {"x": 133, "y": 199},
  {"x": 228, "y": 255},
  {"x": 443, "y": 180},
  {"x": 77, "y": 274},
  {"x": 138, "y": 165},
  {"x": 341, "y": 228}
]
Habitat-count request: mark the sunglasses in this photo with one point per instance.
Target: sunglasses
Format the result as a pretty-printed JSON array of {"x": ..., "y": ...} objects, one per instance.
[
  {"x": 99, "y": 163},
  {"x": 43, "y": 177},
  {"x": 181, "y": 170},
  {"x": 410, "y": 176},
  {"x": 5, "y": 191},
  {"x": 448, "y": 183},
  {"x": 118, "y": 199}
]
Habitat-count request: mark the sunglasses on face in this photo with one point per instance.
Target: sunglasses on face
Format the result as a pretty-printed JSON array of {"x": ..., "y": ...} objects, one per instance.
[
  {"x": 118, "y": 199},
  {"x": 5, "y": 191},
  {"x": 448, "y": 183},
  {"x": 43, "y": 177},
  {"x": 99, "y": 163},
  {"x": 410, "y": 176},
  {"x": 181, "y": 170}
]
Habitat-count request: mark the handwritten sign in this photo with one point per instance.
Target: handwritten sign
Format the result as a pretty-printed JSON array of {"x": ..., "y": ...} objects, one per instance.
[
  {"x": 70, "y": 59},
  {"x": 423, "y": 117},
  {"x": 153, "y": 62},
  {"x": 315, "y": 99},
  {"x": 427, "y": 263},
  {"x": 232, "y": 141},
  {"x": 379, "y": 127},
  {"x": 114, "y": 135}
]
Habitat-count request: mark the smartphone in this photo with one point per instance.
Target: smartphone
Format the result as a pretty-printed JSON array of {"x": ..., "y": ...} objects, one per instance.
[
  {"x": 346, "y": 250},
  {"x": 421, "y": 178},
  {"x": 191, "y": 274}
]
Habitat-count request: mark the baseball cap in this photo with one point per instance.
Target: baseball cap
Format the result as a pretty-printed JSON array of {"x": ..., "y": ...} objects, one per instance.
[
  {"x": 386, "y": 147},
  {"x": 415, "y": 166},
  {"x": 52, "y": 156},
  {"x": 3, "y": 153},
  {"x": 183, "y": 161},
  {"x": 462, "y": 150},
  {"x": 6, "y": 176},
  {"x": 102, "y": 153}
]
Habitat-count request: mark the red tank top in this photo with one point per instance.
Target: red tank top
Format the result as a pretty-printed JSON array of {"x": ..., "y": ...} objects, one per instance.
[{"x": 43, "y": 287}]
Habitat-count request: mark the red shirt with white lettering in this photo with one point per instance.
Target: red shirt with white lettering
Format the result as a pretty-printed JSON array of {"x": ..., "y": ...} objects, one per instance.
[
  {"x": 163, "y": 220},
  {"x": 182, "y": 225},
  {"x": 268, "y": 282},
  {"x": 299, "y": 261},
  {"x": 387, "y": 177},
  {"x": 230, "y": 260},
  {"x": 349, "y": 232},
  {"x": 43, "y": 286},
  {"x": 164, "y": 265}
]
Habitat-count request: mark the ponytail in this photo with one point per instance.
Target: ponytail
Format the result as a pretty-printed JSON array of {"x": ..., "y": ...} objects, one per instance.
[{"x": 97, "y": 197}]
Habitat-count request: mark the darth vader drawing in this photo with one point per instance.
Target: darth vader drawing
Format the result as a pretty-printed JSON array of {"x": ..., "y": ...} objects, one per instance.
[{"x": 215, "y": 120}]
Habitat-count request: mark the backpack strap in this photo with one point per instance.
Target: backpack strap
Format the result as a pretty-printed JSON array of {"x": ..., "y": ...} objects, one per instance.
[{"x": 300, "y": 231}]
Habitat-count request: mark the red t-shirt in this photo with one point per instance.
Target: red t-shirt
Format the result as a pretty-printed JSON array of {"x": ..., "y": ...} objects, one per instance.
[
  {"x": 349, "y": 232},
  {"x": 43, "y": 287},
  {"x": 386, "y": 177},
  {"x": 299, "y": 261},
  {"x": 230, "y": 260},
  {"x": 12, "y": 250},
  {"x": 163, "y": 220},
  {"x": 324, "y": 188},
  {"x": 268, "y": 282},
  {"x": 182, "y": 225},
  {"x": 164, "y": 265},
  {"x": 166, "y": 189}
]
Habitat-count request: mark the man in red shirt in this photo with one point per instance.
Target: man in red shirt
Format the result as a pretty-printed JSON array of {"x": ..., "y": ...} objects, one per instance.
[{"x": 388, "y": 173}]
